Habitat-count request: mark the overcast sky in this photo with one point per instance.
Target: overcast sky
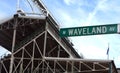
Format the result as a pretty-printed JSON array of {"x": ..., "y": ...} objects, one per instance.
[{"x": 77, "y": 13}]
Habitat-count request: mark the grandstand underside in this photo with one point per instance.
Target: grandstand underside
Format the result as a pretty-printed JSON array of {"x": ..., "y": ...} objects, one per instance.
[{"x": 36, "y": 47}]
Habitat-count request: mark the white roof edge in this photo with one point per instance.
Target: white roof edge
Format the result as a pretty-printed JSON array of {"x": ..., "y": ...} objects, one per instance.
[{"x": 33, "y": 17}]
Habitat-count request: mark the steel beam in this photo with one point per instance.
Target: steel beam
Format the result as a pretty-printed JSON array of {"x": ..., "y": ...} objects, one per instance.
[{"x": 13, "y": 44}]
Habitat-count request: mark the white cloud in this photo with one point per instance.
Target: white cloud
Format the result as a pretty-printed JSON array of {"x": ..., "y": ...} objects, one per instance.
[
  {"x": 105, "y": 12},
  {"x": 68, "y": 2},
  {"x": 76, "y": 2},
  {"x": 91, "y": 46},
  {"x": 65, "y": 18},
  {"x": 94, "y": 12},
  {"x": 117, "y": 61},
  {"x": 92, "y": 52},
  {"x": 110, "y": 6}
]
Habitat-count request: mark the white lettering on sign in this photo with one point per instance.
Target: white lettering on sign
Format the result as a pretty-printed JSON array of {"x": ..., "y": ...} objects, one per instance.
[
  {"x": 75, "y": 32},
  {"x": 70, "y": 31},
  {"x": 99, "y": 30},
  {"x": 90, "y": 30},
  {"x": 84, "y": 30},
  {"x": 87, "y": 31},
  {"x": 93, "y": 31},
  {"x": 79, "y": 31},
  {"x": 112, "y": 29},
  {"x": 104, "y": 29}
]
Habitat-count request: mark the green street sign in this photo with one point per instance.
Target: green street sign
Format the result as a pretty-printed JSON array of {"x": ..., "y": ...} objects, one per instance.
[{"x": 89, "y": 30}]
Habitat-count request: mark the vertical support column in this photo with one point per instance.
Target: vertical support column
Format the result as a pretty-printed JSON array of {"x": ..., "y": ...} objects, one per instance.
[
  {"x": 110, "y": 67},
  {"x": 45, "y": 39},
  {"x": 94, "y": 63},
  {"x": 47, "y": 70},
  {"x": 21, "y": 66},
  {"x": 28, "y": 70},
  {"x": 58, "y": 51},
  {"x": 54, "y": 66},
  {"x": 66, "y": 66},
  {"x": 13, "y": 43},
  {"x": 32, "y": 67},
  {"x": 44, "y": 48},
  {"x": 43, "y": 66},
  {"x": 72, "y": 67},
  {"x": 80, "y": 66}
]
